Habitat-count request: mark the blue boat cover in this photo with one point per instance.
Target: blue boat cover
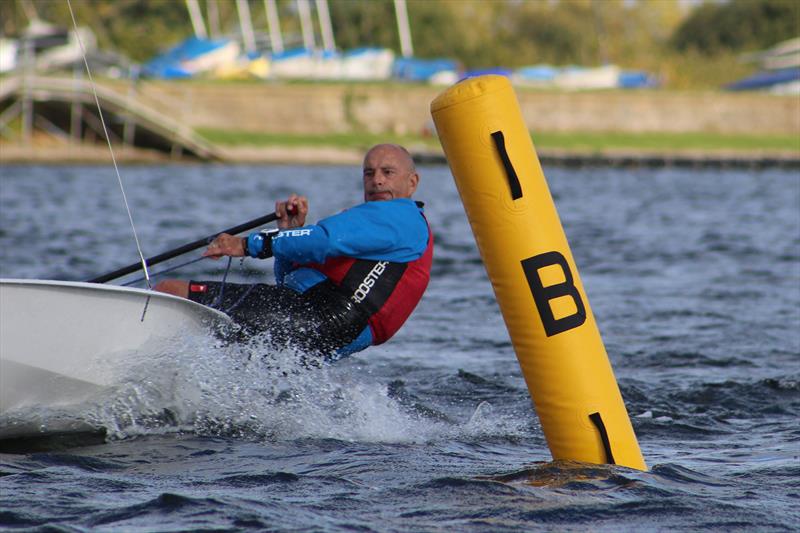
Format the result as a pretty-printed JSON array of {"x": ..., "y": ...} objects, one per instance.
[
  {"x": 413, "y": 69},
  {"x": 499, "y": 71},
  {"x": 168, "y": 64},
  {"x": 765, "y": 80}
]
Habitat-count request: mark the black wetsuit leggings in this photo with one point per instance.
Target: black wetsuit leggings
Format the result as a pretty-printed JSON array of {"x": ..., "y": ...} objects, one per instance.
[{"x": 318, "y": 321}]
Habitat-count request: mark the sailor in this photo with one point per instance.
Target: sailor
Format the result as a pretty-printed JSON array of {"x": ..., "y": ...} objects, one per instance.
[{"x": 345, "y": 283}]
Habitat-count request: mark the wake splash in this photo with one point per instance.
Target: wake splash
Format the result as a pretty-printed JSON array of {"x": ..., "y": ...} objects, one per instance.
[{"x": 254, "y": 391}]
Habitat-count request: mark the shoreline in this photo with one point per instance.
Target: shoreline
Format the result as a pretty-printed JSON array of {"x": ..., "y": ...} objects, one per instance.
[
  {"x": 334, "y": 155},
  {"x": 241, "y": 123}
]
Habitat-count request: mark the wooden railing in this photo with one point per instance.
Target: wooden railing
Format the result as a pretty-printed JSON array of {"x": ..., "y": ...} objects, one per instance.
[{"x": 118, "y": 99}]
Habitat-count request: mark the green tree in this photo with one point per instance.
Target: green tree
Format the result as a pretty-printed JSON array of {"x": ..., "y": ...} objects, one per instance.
[
  {"x": 358, "y": 23},
  {"x": 738, "y": 25},
  {"x": 134, "y": 27}
]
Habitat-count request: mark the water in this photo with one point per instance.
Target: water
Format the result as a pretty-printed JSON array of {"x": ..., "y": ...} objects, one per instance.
[{"x": 694, "y": 278}]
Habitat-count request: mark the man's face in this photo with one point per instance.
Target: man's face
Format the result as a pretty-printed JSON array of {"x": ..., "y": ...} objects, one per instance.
[{"x": 388, "y": 174}]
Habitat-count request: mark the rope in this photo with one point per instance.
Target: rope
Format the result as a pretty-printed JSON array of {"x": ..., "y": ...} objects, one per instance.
[
  {"x": 146, "y": 277},
  {"x": 240, "y": 300},
  {"x": 110, "y": 148},
  {"x": 170, "y": 269},
  {"x": 218, "y": 301}
]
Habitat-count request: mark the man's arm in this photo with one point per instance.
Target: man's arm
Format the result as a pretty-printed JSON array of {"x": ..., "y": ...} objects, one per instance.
[
  {"x": 291, "y": 214},
  {"x": 387, "y": 230}
]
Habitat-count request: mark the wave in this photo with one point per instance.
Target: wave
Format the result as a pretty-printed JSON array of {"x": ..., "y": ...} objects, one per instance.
[{"x": 259, "y": 392}]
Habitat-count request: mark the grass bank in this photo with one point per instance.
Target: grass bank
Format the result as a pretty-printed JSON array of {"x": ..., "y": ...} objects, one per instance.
[
  {"x": 334, "y": 140},
  {"x": 592, "y": 142},
  {"x": 667, "y": 142}
]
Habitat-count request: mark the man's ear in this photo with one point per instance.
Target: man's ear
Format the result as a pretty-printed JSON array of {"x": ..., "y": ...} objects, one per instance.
[{"x": 414, "y": 182}]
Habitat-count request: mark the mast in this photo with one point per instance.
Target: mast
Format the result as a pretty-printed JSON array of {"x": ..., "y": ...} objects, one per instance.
[
  {"x": 325, "y": 25},
  {"x": 403, "y": 28},
  {"x": 274, "y": 25},
  {"x": 212, "y": 10},
  {"x": 247, "y": 26},
  {"x": 306, "y": 26},
  {"x": 30, "y": 10},
  {"x": 197, "y": 19}
]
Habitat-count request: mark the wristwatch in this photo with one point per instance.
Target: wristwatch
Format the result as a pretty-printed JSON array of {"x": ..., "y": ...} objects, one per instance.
[{"x": 259, "y": 244}]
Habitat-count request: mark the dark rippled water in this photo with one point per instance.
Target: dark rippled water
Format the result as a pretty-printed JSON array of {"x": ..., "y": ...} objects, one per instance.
[{"x": 694, "y": 277}]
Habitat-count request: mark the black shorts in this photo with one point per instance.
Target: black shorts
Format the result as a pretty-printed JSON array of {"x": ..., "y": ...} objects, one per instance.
[{"x": 320, "y": 320}]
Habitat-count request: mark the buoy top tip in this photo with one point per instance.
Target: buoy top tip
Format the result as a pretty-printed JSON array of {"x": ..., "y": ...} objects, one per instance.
[{"x": 469, "y": 88}]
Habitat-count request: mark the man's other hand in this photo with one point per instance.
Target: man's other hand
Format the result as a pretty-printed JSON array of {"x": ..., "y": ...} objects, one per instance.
[
  {"x": 224, "y": 245},
  {"x": 292, "y": 213}
]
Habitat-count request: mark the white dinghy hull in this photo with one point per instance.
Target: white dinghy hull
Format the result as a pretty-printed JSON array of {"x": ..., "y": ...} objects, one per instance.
[{"x": 60, "y": 341}]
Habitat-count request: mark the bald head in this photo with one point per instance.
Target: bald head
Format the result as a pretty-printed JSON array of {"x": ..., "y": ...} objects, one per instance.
[
  {"x": 389, "y": 173},
  {"x": 399, "y": 152}
]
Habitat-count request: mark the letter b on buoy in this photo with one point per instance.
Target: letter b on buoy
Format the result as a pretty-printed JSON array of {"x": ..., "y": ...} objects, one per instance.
[{"x": 543, "y": 294}]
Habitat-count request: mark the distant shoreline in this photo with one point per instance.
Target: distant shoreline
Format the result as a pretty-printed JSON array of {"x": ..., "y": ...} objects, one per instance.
[
  {"x": 337, "y": 155},
  {"x": 247, "y": 123}
]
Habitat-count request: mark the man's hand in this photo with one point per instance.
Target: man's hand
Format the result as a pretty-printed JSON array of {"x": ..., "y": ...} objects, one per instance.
[
  {"x": 292, "y": 213},
  {"x": 224, "y": 245}
]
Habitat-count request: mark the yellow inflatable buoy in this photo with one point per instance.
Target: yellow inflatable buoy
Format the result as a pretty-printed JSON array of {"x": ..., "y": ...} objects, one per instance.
[{"x": 535, "y": 280}]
